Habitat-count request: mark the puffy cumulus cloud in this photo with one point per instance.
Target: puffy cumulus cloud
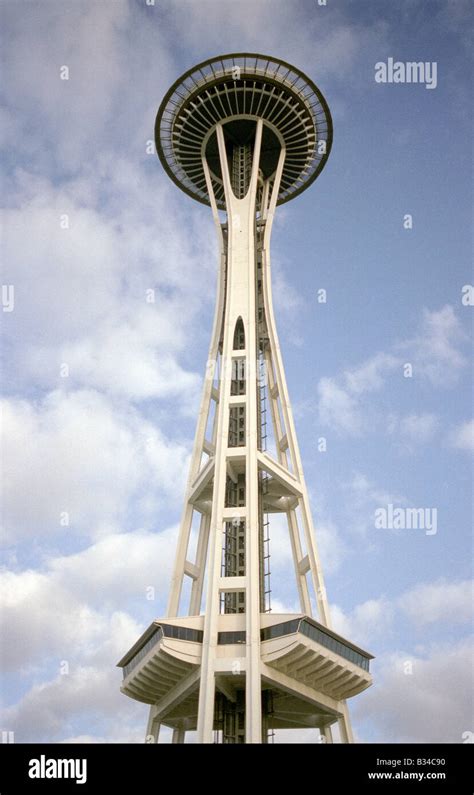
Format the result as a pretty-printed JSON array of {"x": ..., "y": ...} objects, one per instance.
[
  {"x": 417, "y": 428},
  {"x": 115, "y": 296},
  {"x": 370, "y": 375},
  {"x": 81, "y": 455},
  {"x": 280, "y": 607},
  {"x": 420, "y": 699},
  {"x": 119, "y": 567},
  {"x": 126, "y": 360},
  {"x": 332, "y": 548},
  {"x": 74, "y": 605},
  {"x": 428, "y": 603},
  {"x": 462, "y": 437},
  {"x": 365, "y": 491},
  {"x": 41, "y": 619},
  {"x": 98, "y": 44},
  {"x": 435, "y": 353},
  {"x": 364, "y": 497},
  {"x": 326, "y": 45},
  {"x": 367, "y": 622},
  {"x": 69, "y": 619},
  {"x": 76, "y": 268},
  {"x": 340, "y": 404},
  {"x": 442, "y": 601},
  {"x": 280, "y": 542},
  {"x": 57, "y": 708},
  {"x": 338, "y": 409}
]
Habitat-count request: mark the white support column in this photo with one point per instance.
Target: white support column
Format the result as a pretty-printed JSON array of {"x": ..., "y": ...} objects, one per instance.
[
  {"x": 178, "y": 735},
  {"x": 153, "y": 727},
  {"x": 209, "y": 647},
  {"x": 246, "y": 257},
  {"x": 186, "y": 521},
  {"x": 327, "y": 734},
  {"x": 344, "y": 723},
  {"x": 240, "y": 302},
  {"x": 201, "y": 554},
  {"x": 293, "y": 529},
  {"x": 282, "y": 390}
]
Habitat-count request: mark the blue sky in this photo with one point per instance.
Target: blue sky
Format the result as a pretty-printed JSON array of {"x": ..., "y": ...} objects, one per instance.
[{"x": 101, "y": 388}]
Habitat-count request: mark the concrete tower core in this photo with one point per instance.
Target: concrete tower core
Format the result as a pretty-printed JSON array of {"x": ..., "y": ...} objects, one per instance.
[{"x": 244, "y": 133}]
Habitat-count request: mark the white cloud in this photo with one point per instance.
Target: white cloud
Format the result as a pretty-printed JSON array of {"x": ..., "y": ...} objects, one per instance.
[
  {"x": 89, "y": 308},
  {"x": 439, "y": 601},
  {"x": 417, "y": 696},
  {"x": 434, "y": 352},
  {"x": 94, "y": 41},
  {"x": 338, "y": 409},
  {"x": 74, "y": 607},
  {"x": 330, "y": 545},
  {"x": 363, "y": 496},
  {"x": 412, "y": 430},
  {"x": 370, "y": 376},
  {"x": 130, "y": 363},
  {"x": 323, "y": 45},
  {"x": 462, "y": 437},
  {"x": 433, "y": 704},
  {"x": 78, "y": 453},
  {"x": 365, "y": 492},
  {"x": 128, "y": 564},
  {"x": 424, "y": 604},
  {"x": 72, "y": 613},
  {"x": 50, "y": 710},
  {"x": 368, "y": 621},
  {"x": 279, "y": 606},
  {"x": 419, "y": 427}
]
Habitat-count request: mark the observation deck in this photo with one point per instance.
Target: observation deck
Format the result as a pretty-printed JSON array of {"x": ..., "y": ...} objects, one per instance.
[
  {"x": 236, "y": 90},
  {"x": 303, "y": 663}
]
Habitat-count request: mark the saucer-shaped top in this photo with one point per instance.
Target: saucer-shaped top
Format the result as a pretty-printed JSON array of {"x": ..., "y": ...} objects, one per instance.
[{"x": 236, "y": 90}]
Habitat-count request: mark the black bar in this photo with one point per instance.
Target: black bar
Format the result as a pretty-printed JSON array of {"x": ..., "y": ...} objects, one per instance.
[{"x": 131, "y": 768}]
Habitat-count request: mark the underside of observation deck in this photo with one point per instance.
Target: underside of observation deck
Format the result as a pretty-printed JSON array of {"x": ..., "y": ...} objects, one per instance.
[{"x": 236, "y": 90}]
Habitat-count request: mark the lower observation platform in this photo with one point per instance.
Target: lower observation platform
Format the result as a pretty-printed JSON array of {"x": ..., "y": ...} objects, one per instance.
[{"x": 307, "y": 668}]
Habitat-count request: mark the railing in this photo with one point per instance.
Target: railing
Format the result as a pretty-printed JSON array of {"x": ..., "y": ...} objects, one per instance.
[
  {"x": 319, "y": 635},
  {"x": 143, "y": 651},
  {"x": 167, "y": 631},
  {"x": 308, "y": 628}
]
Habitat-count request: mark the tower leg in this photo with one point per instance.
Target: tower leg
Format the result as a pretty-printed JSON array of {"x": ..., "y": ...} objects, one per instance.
[
  {"x": 153, "y": 727},
  {"x": 345, "y": 726},
  {"x": 197, "y": 586},
  {"x": 327, "y": 734},
  {"x": 178, "y": 735}
]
